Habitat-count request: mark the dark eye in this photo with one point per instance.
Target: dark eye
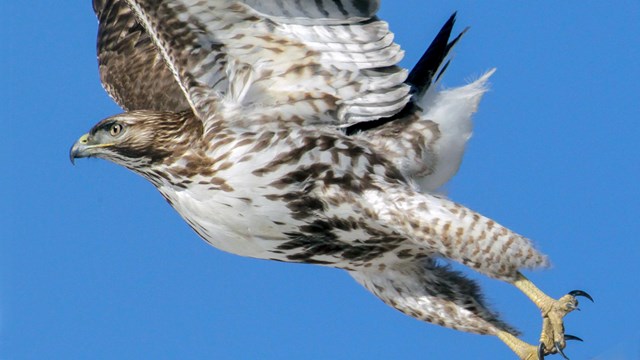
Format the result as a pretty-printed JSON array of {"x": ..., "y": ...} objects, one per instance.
[{"x": 115, "y": 129}]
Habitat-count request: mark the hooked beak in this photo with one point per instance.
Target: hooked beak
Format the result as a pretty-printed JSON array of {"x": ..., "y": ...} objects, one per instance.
[{"x": 83, "y": 148}]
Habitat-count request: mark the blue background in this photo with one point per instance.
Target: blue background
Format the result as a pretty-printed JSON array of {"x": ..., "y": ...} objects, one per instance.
[{"x": 95, "y": 264}]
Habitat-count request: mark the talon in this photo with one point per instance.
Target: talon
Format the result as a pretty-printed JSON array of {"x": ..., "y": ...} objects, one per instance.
[
  {"x": 559, "y": 350},
  {"x": 541, "y": 351},
  {"x": 552, "y": 338},
  {"x": 572, "y": 337},
  {"x": 575, "y": 293}
]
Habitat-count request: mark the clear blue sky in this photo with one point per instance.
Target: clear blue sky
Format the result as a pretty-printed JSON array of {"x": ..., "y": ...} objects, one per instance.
[{"x": 94, "y": 263}]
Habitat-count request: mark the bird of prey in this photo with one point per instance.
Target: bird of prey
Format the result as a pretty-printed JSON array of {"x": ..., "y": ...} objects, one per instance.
[{"x": 286, "y": 130}]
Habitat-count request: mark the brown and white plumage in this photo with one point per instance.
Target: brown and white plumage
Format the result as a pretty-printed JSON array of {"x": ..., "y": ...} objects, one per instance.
[
  {"x": 135, "y": 75},
  {"x": 131, "y": 69},
  {"x": 288, "y": 132}
]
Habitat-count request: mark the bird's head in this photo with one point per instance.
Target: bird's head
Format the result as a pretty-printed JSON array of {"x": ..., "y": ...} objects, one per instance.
[{"x": 138, "y": 139}]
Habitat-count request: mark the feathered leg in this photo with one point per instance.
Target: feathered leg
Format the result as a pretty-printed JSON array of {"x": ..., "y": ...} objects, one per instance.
[
  {"x": 432, "y": 293},
  {"x": 442, "y": 228}
]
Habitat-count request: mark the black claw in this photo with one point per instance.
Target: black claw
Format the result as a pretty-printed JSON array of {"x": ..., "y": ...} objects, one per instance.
[
  {"x": 575, "y": 293},
  {"x": 559, "y": 350},
  {"x": 541, "y": 351},
  {"x": 572, "y": 337}
]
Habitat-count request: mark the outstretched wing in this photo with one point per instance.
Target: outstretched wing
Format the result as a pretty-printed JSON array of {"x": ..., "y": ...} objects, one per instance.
[
  {"x": 318, "y": 61},
  {"x": 132, "y": 70}
]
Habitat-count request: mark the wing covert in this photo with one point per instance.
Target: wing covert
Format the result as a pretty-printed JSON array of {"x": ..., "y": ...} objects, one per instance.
[
  {"x": 132, "y": 70},
  {"x": 320, "y": 11},
  {"x": 336, "y": 66}
]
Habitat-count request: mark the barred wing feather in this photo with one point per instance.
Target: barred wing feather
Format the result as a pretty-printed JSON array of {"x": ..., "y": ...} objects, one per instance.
[
  {"x": 323, "y": 66},
  {"x": 132, "y": 70}
]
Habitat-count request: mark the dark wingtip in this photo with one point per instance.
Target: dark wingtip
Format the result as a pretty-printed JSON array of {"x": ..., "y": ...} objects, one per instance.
[{"x": 423, "y": 73}]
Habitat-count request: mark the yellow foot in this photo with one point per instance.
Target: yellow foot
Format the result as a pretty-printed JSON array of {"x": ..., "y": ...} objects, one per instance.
[
  {"x": 527, "y": 351},
  {"x": 553, "y": 338},
  {"x": 522, "y": 349}
]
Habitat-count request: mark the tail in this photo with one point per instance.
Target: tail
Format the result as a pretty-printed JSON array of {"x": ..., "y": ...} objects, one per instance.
[
  {"x": 451, "y": 110},
  {"x": 426, "y": 140},
  {"x": 427, "y": 146}
]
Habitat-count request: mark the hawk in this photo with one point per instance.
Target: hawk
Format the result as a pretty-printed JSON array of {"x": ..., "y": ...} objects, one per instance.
[{"x": 286, "y": 130}]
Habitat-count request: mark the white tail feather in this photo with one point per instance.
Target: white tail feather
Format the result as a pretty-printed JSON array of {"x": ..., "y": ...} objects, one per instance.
[{"x": 451, "y": 109}]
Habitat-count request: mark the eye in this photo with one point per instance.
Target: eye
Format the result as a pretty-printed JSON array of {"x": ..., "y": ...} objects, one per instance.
[{"x": 115, "y": 129}]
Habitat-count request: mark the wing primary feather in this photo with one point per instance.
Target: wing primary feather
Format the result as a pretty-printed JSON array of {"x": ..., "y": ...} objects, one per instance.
[
  {"x": 132, "y": 71},
  {"x": 421, "y": 76},
  {"x": 424, "y": 72},
  {"x": 444, "y": 68}
]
